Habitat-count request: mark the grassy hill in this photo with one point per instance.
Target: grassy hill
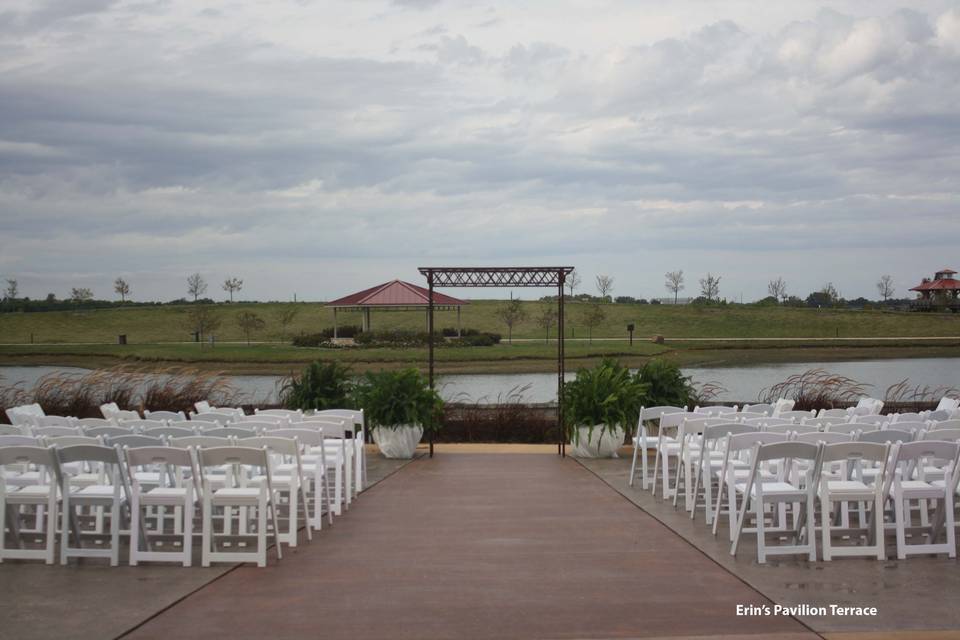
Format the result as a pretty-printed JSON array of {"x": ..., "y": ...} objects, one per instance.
[{"x": 144, "y": 325}]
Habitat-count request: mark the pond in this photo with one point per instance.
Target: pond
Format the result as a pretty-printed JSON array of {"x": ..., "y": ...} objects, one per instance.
[{"x": 740, "y": 384}]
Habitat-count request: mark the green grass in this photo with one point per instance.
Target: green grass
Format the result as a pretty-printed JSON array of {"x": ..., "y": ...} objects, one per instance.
[{"x": 169, "y": 323}]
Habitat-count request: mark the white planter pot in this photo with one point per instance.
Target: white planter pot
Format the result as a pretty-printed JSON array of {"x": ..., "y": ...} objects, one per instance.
[
  {"x": 597, "y": 446},
  {"x": 398, "y": 442}
]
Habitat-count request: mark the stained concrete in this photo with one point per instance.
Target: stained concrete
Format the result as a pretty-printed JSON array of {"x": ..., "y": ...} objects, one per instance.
[
  {"x": 913, "y": 595},
  {"x": 481, "y": 546}
]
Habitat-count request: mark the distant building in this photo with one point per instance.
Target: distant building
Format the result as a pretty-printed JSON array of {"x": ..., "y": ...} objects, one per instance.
[
  {"x": 679, "y": 300},
  {"x": 940, "y": 292}
]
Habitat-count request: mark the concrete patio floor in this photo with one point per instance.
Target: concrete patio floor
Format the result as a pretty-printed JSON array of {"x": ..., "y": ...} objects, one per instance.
[{"x": 489, "y": 542}]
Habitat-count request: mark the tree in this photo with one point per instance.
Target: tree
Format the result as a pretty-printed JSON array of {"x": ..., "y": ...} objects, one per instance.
[
  {"x": 830, "y": 292},
  {"x": 286, "y": 318},
  {"x": 710, "y": 287},
  {"x": 885, "y": 287},
  {"x": 674, "y": 283},
  {"x": 777, "y": 288},
  {"x": 12, "y": 290},
  {"x": 593, "y": 317},
  {"x": 202, "y": 320},
  {"x": 122, "y": 288},
  {"x": 196, "y": 286},
  {"x": 81, "y": 294},
  {"x": 604, "y": 285},
  {"x": 250, "y": 322},
  {"x": 573, "y": 281},
  {"x": 232, "y": 285},
  {"x": 546, "y": 320},
  {"x": 51, "y": 297},
  {"x": 511, "y": 314}
]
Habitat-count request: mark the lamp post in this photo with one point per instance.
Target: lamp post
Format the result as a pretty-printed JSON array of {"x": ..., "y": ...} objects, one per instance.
[{"x": 630, "y": 329}]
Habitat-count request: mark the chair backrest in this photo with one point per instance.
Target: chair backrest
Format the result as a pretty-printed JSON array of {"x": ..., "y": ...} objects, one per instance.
[
  {"x": 773, "y": 422},
  {"x": 718, "y": 410},
  {"x": 719, "y": 431},
  {"x": 135, "y": 440},
  {"x": 24, "y": 414},
  {"x": 832, "y": 413},
  {"x": 745, "y": 415},
  {"x": 885, "y": 435},
  {"x": 945, "y": 424},
  {"x": 793, "y": 450},
  {"x": 95, "y": 422},
  {"x": 261, "y": 418},
  {"x": 107, "y": 432},
  {"x": 258, "y": 425},
  {"x": 354, "y": 415},
  {"x": 11, "y": 430},
  {"x": 906, "y": 417},
  {"x": 791, "y": 428},
  {"x": 169, "y": 432},
  {"x": 202, "y": 425},
  {"x": 874, "y": 418},
  {"x": 107, "y": 409},
  {"x": 199, "y": 442},
  {"x": 747, "y": 441},
  {"x": 202, "y": 406},
  {"x": 654, "y": 413},
  {"x": 171, "y": 416},
  {"x": 941, "y": 415},
  {"x": 856, "y": 451},
  {"x": 948, "y": 404},
  {"x": 331, "y": 428},
  {"x": 277, "y": 413},
  {"x": 844, "y": 427},
  {"x": 274, "y": 444},
  {"x": 230, "y": 432},
  {"x": 47, "y": 432},
  {"x": 87, "y": 453},
  {"x": 782, "y": 405},
  {"x": 19, "y": 441},
  {"x": 54, "y": 421},
  {"x": 219, "y": 416},
  {"x": 306, "y": 437},
  {"x": 797, "y": 415},
  {"x": 72, "y": 441},
  {"x": 218, "y": 456},
  {"x": 765, "y": 409},
  {"x": 819, "y": 436},
  {"x": 907, "y": 426},
  {"x": 140, "y": 423},
  {"x": 911, "y": 454},
  {"x": 673, "y": 420},
  {"x": 949, "y": 435},
  {"x": 823, "y": 422},
  {"x": 27, "y": 454},
  {"x": 867, "y": 406},
  {"x": 157, "y": 455}
]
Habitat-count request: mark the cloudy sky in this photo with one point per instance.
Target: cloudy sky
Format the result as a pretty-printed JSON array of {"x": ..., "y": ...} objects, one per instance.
[{"x": 319, "y": 147}]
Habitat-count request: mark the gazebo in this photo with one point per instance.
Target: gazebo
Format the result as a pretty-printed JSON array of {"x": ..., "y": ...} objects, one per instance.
[
  {"x": 395, "y": 295},
  {"x": 943, "y": 290}
]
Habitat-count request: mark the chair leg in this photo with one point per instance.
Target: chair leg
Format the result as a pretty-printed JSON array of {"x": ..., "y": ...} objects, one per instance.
[
  {"x": 306, "y": 512},
  {"x": 188, "y": 531},
  {"x": 51, "y": 528},
  {"x": 64, "y": 526},
  {"x": 898, "y": 508},
  {"x": 761, "y": 530},
  {"x": 633, "y": 465},
  {"x": 262, "y": 531},
  {"x": 205, "y": 532},
  {"x": 134, "y": 529},
  {"x": 880, "y": 539},
  {"x": 276, "y": 533},
  {"x": 825, "y": 527},
  {"x": 115, "y": 533},
  {"x": 811, "y": 532}
]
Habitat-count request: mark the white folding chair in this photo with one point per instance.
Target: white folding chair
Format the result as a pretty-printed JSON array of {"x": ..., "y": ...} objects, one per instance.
[
  {"x": 176, "y": 491},
  {"x": 668, "y": 446},
  {"x": 849, "y": 489},
  {"x": 314, "y": 472},
  {"x": 287, "y": 482},
  {"x": 797, "y": 416},
  {"x": 359, "y": 436},
  {"x": 13, "y": 430},
  {"x": 711, "y": 462},
  {"x": 339, "y": 452},
  {"x": 245, "y": 462},
  {"x": 737, "y": 448},
  {"x": 54, "y": 421},
  {"x": 833, "y": 413},
  {"x": 110, "y": 497},
  {"x": 85, "y": 423},
  {"x": 169, "y": 432},
  {"x": 41, "y": 495},
  {"x": 168, "y": 416},
  {"x": 763, "y": 408},
  {"x": 107, "y": 432},
  {"x": 641, "y": 439},
  {"x": 759, "y": 492},
  {"x": 223, "y": 417}
]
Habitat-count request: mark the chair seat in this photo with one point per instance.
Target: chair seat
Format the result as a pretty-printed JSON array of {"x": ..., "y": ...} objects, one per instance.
[
  {"x": 21, "y": 479},
  {"x": 147, "y": 477},
  {"x": 85, "y": 479},
  {"x": 237, "y": 496},
  {"x": 100, "y": 493},
  {"x": 278, "y": 480},
  {"x": 164, "y": 496},
  {"x": 772, "y": 488},
  {"x": 30, "y": 494},
  {"x": 838, "y": 487}
]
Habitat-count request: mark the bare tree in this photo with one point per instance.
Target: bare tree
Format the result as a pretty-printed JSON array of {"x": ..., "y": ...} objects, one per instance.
[
  {"x": 573, "y": 281},
  {"x": 202, "y": 320},
  {"x": 830, "y": 293},
  {"x": 674, "y": 283},
  {"x": 196, "y": 286},
  {"x": 777, "y": 288},
  {"x": 546, "y": 320},
  {"x": 885, "y": 287},
  {"x": 232, "y": 285},
  {"x": 710, "y": 286},
  {"x": 593, "y": 317},
  {"x": 511, "y": 314},
  {"x": 604, "y": 285},
  {"x": 12, "y": 290},
  {"x": 121, "y": 287},
  {"x": 81, "y": 294},
  {"x": 250, "y": 322},
  {"x": 286, "y": 318}
]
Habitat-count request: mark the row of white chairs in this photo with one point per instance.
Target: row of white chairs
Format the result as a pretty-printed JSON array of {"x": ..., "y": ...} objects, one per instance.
[{"x": 125, "y": 484}]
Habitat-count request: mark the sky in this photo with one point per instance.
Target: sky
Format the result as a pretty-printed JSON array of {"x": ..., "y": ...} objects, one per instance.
[{"x": 315, "y": 148}]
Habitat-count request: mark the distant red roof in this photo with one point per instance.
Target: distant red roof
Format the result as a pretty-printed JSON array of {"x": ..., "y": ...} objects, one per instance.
[
  {"x": 948, "y": 284},
  {"x": 395, "y": 293}
]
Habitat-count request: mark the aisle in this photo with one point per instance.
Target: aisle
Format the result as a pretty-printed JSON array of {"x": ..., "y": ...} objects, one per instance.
[{"x": 480, "y": 546}]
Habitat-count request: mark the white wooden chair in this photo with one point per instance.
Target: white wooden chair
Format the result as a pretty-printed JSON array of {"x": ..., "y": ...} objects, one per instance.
[
  {"x": 314, "y": 473},
  {"x": 763, "y": 408},
  {"x": 797, "y": 416},
  {"x": 733, "y": 472},
  {"x": 54, "y": 421},
  {"x": 139, "y": 424},
  {"x": 13, "y": 430},
  {"x": 287, "y": 482},
  {"x": 758, "y": 492},
  {"x": 222, "y": 417},
  {"x": 339, "y": 452},
  {"x": 108, "y": 496},
  {"x": 641, "y": 440},
  {"x": 49, "y": 432},
  {"x": 177, "y": 491},
  {"x": 847, "y": 490},
  {"x": 833, "y": 413},
  {"x": 247, "y": 462},
  {"x": 782, "y": 405},
  {"x": 712, "y": 440},
  {"x": 168, "y": 416},
  {"x": 41, "y": 495},
  {"x": 107, "y": 432},
  {"x": 359, "y": 436},
  {"x": 85, "y": 423},
  {"x": 667, "y": 446},
  {"x": 23, "y": 415}
]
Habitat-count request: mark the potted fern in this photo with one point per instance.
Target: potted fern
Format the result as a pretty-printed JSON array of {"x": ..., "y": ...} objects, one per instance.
[
  {"x": 599, "y": 406},
  {"x": 398, "y": 406}
]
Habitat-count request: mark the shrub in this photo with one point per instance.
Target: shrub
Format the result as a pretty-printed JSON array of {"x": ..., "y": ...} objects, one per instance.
[
  {"x": 321, "y": 385},
  {"x": 391, "y": 399},
  {"x": 607, "y": 395},
  {"x": 393, "y": 338},
  {"x": 816, "y": 389},
  {"x": 666, "y": 385},
  {"x": 346, "y": 331},
  {"x": 309, "y": 340}
]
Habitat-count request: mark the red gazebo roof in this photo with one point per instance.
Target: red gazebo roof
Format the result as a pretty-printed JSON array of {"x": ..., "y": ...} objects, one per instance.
[
  {"x": 395, "y": 293},
  {"x": 942, "y": 284}
]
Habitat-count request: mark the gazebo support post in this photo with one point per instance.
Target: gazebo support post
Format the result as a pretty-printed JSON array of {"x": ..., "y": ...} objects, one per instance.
[
  {"x": 334, "y": 323},
  {"x": 458, "y": 322},
  {"x": 430, "y": 343}
]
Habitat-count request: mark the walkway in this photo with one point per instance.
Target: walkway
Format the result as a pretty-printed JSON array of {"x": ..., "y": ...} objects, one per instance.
[{"x": 481, "y": 546}]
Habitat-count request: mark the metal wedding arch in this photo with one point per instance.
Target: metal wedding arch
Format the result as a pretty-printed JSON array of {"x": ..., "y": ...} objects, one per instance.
[{"x": 503, "y": 277}]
